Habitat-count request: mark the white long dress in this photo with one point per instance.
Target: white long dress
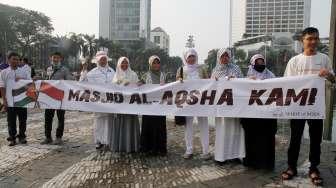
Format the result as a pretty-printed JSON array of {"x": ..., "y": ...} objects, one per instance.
[
  {"x": 230, "y": 139},
  {"x": 101, "y": 124}
]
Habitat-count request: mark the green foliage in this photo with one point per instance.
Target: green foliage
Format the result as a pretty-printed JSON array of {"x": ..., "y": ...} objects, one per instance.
[
  {"x": 29, "y": 33},
  {"x": 211, "y": 59},
  {"x": 22, "y": 28}
]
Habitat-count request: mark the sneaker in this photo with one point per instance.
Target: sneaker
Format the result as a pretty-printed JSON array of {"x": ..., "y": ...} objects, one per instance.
[
  {"x": 187, "y": 156},
  {"x": 46, "y": 141},
  {"x": 12, "y": 143},
  {"x": 99, "y": 146},
  {"x": 22, "y": 141},
  {"x": 58, "y": 141},
  {"x": 11, "y": 138},
  {"x": 205, "y": 157}
]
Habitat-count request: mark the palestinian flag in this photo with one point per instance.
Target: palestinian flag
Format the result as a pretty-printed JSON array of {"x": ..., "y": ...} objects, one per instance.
[
  {"x": 50, "y": 95},
  {"x": 24, "y": 95}
]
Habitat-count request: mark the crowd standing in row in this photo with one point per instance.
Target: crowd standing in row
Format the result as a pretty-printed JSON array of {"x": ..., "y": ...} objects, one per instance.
[{"x": 250, "y": 140}]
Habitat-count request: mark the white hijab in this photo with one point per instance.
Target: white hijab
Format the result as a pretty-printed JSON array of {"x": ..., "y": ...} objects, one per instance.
[
  {"x": 127, "y": 76},
  {"x": 190, "y": 68},
  {"x": 266, "y": 74}
]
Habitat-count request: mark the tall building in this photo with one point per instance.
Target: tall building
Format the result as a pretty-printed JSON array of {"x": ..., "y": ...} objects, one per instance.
[
  {"x": 124, "y": 20},
  {"x": 237, "y": 20},
  {"x": 160, "y": 38},
  {"x": 262, "y": 17}
]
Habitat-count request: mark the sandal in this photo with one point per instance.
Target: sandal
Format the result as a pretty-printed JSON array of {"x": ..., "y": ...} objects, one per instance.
[
  {"x": 289, "y": 174},
  {"x": 315, "y": 177}
]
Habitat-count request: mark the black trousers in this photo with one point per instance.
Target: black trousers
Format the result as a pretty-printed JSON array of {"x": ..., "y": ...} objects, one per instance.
[
  {"x": 49, "y": 116},
  {"x": 315, "y": 134},
  {"x": 12, "y": 113}
]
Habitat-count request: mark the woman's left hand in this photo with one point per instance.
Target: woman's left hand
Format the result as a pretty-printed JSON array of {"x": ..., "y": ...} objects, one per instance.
[
  {"x": 253, "y": 77},
  {"x": 140, "y": 84}
]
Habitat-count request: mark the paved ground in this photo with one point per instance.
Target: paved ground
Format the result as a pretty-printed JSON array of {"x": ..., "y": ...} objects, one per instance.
[{"x": 77, "y": 164}]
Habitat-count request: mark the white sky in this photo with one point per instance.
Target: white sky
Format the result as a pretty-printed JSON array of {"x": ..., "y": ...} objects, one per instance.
[{"x": 207, "y": 20}]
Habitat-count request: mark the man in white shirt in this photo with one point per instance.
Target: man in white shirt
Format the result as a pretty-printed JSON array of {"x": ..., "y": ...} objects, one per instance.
[
  {"x": 23, "y": 65},
  {"x": 307, "y": 63},
  {"x": 3, "y": 65},
  {"x": 8, "y": 77}
]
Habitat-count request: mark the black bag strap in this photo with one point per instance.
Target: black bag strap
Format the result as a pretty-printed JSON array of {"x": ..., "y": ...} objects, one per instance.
[{"x": 54, "y": 72}]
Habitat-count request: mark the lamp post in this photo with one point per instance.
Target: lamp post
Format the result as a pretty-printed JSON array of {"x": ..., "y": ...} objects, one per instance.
[{"x": 330, "y": 91}]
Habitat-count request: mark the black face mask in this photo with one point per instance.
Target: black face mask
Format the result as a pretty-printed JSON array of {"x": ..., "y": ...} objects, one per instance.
[{"x": 259, "y": 68}]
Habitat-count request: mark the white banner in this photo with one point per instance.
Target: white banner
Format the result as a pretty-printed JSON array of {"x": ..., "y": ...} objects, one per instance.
[{"x": 300, "y": 97}]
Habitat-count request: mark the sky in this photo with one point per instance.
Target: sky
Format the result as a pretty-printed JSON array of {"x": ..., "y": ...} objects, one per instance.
[{"x": 207, "y": 20}]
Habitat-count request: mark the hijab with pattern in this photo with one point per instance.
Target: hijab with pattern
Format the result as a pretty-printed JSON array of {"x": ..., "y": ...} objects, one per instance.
[{"x": 229, "y": 69}]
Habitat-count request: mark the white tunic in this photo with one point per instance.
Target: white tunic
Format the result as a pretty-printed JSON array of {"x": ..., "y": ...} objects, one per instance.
[
  {"x": 8, "y": 78},
  {"x": 101, "y": 75},
  {"x": 230, "y": 139},
  {"x": 305, "y": 65}
]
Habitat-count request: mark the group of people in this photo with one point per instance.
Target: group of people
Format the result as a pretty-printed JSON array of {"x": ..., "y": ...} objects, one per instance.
[
  {"x": 251, "y": 140},
  {"x": 19, "y": 69},
  {"x": 121, "y": 132}
]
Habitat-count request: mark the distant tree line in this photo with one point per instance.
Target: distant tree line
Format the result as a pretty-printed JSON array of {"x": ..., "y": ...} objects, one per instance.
[{"x": 30, "y": 33}]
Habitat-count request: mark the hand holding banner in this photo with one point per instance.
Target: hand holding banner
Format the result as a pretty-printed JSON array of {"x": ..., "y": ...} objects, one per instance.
[{"x": 300, "y": 97}]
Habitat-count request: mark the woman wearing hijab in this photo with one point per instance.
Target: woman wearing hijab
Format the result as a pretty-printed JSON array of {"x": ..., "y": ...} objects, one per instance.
[
  {"x": 230, "y": 142},
  {"x": 153, "y": 133},
  {"x": 125, "y": 132},
  {"x": 259, "y": 133},
  {"x": 102, "y": 74},
  {"x": 191, "y": 71}
]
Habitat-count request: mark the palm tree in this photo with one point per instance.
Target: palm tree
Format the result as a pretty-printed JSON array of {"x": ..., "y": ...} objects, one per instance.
[{"x": 89, "y": 48}]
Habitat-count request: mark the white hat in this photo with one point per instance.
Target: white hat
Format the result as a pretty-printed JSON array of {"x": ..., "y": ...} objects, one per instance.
[{"x": 99, "y": 55}]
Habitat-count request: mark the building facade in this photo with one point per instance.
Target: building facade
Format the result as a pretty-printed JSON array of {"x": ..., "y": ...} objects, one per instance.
[
  {"x": 264, "y": 17},
  {"x": 124, "y": 20},
  {"x": 237, "y": 20},
  {"x": 160, "y": 38}
]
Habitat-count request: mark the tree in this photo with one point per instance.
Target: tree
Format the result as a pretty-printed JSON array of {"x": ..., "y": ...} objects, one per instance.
[
  {"x": 7, "y": 37},
  {"x": 211, "y": 59},
  {"x": 240, "y": 55},
  {"x": 26, "y": 32},
  {"x": 323, "y": 48},
  {"x": 90, "y": 47},
  {"x": 276, "y": 58},
  {"x": 30, "y": 27}
]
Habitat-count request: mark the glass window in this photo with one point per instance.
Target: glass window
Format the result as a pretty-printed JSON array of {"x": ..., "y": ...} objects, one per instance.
[{"x": 157, "y": 39}]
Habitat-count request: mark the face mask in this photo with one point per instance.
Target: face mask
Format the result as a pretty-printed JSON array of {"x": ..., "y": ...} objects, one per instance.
[{"x": 259, "y": 68}]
